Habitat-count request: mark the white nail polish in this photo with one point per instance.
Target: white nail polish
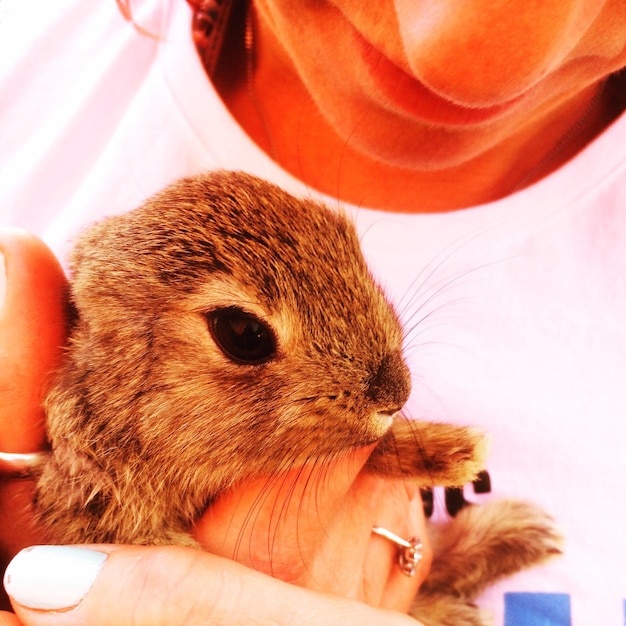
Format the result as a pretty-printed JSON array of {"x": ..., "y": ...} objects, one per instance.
[{"x": 52, "y": 577}]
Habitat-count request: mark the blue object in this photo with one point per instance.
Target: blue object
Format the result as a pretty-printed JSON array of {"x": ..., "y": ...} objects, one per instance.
[{"x": 537, "y": 609}]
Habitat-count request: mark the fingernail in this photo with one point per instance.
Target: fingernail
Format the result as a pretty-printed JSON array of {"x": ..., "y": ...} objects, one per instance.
[
  {"x": 52, "y": 578},
  {"x": 3, "y": 279}
]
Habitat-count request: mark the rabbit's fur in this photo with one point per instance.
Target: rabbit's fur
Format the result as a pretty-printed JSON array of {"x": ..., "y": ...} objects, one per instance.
[{"x": 149, "y": 419}]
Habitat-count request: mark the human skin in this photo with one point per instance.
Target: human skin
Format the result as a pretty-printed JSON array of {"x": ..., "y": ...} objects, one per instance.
[
  {"x": 323, "y": 541},
  {"x": 429, "y": 106},
  {"x": 217, "y": 592},
  {"x": 32, "y": 329}
]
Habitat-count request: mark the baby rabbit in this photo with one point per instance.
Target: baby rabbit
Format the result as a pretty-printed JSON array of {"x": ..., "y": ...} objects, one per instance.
[{"x": 226, "y": 330}]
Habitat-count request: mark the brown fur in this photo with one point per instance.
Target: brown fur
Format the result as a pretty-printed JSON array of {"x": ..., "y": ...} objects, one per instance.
[
  {"x": 480, "y": 546},
  {"x": 149, "y": 420}
]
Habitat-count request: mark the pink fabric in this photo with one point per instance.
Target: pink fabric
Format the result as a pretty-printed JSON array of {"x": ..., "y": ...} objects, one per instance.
[{"x": 522, "y": 302}]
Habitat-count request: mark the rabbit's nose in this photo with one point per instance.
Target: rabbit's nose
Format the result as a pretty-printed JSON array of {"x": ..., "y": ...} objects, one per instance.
[{"x": 389, "y": 387}]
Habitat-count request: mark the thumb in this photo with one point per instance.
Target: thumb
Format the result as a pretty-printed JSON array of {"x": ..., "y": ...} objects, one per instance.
[{"x": 165, "y": 586}]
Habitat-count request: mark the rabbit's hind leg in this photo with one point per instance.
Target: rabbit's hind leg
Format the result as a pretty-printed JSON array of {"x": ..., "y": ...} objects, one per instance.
[{"x": 484, "y": 543}]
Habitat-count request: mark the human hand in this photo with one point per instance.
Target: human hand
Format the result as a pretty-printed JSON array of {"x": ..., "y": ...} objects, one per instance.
[
  {"x": 171, "y": 585},
  {"x": 313, "y": 527},
  {"x": 320, "y": 537}
]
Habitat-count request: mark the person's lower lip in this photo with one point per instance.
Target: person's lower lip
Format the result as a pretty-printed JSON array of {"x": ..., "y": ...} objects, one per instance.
[{"x": 408, "y": 96}]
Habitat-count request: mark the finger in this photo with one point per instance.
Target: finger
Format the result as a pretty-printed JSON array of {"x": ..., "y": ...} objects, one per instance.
[
  {"x": 313, "y": 527},
  {"x": 276, "y": 524},
  {"x": 364, "y": 563},
  {"x": 407, "y": 520},
  {"x": 172, "y": 585},
  {"x": 32, "y": 331}
]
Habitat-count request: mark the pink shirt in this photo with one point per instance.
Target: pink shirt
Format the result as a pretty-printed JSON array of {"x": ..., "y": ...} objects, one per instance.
[{"x": 522, "y": 301}]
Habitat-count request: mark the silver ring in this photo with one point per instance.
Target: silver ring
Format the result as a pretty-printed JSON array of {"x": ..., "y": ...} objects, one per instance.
[
  {"x": 20, "y": 465},
  {"x": 410, "y": 552}
]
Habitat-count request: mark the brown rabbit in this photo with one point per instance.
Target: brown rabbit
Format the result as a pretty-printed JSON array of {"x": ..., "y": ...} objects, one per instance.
[{"x": 224, "y": 330}]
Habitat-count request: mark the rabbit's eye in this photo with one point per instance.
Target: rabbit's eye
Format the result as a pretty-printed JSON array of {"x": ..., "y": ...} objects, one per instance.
[{"x": 241, "y": 336}]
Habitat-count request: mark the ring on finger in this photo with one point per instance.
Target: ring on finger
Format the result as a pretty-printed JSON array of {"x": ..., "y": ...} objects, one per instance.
[
  {"x": 20, "y": 464},
  {"x": 410, "y": 551}
]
